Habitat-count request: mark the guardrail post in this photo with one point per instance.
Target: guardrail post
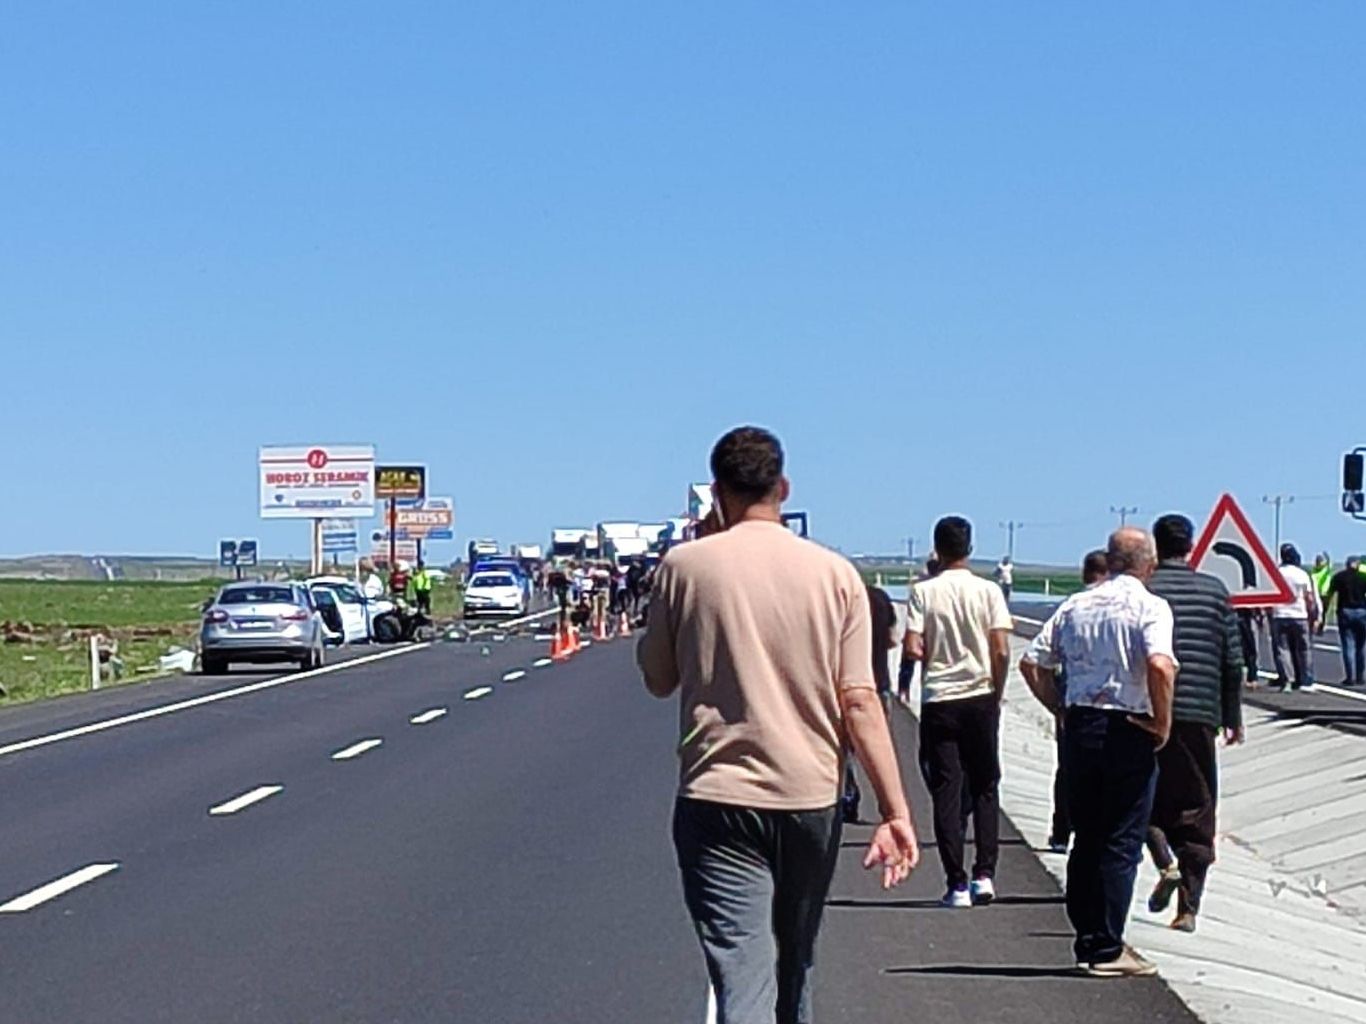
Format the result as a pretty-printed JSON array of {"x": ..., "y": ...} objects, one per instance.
[{"x": 94, "y": 661}]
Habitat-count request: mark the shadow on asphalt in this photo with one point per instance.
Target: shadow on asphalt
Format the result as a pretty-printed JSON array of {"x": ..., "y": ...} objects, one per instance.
[
  {"x": 1032, "y": 900},
  {"x": 989, "y": 971}
]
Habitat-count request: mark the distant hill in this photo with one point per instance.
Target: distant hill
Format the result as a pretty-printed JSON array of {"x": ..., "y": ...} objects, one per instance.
[{"x": 117, "y": 567}]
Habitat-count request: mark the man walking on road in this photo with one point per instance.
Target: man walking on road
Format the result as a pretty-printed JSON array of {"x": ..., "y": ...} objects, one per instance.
[
  {"x": 766, "y": 637},
  {"x": 1207, "y": 698},
  {"x": 1115, "y": 643},
  {"x": 1292, "y": 624},
  {"x": 1349, "y": 588},
  {"x": 1095, "y": 568},
  {"x": 958, "y": 627}
]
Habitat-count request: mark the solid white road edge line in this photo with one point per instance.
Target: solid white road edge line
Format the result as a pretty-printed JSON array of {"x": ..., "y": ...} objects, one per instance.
[
  {"x": 430, "y": 715},
  {"x": 477, "y": 692},
  {"x": 512, "y": 677},
  {"x": 208, "y": 698},
  {"x": 480, "y": 631},
  {"x": 1336, "y": 691},
  {"x": 55, "y": 888},
  {"x": 238, "y": 803},
  {"x": 356, "y": 749}
]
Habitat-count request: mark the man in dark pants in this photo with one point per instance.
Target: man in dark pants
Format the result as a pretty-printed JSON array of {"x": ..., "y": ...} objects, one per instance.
[
  {"x": 1115, "y": 643},
  {"x": 884, "y": 640},
  {"x": 958, "y": 627},
  {"x": 1094, "y": 570},
  {"x": 765, "y": 636},
  {"x": 1206, "y": 699},
  {"x": 1348, "y": 587},
  {"x": 1293, "y": 624}
]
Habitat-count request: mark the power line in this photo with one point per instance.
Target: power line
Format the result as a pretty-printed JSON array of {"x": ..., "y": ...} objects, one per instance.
[{"x": 1124, "y": 512}]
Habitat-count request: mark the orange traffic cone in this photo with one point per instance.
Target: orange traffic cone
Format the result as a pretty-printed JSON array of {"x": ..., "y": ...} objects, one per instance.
[
  {"x": 559, "y": 645},
  {"x": 625, "y": 629},
  {"x": 574, "y": 645},
  {"x": 600, "y": 633}
]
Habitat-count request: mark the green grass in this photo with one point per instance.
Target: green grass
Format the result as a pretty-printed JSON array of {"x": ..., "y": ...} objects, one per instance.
[
  {"x": 1062, "y": 581},
  {"x": 145, "y": 618}
]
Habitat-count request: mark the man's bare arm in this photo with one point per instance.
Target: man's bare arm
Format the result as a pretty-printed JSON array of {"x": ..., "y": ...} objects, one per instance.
[
  {"x": 1041, "y": 684},
  {"x": 998, "y": 641},
  {"x": 894, "y": 843},
  {"x": 1161, "y": 684},
  {"x": 913, "y": 645}
]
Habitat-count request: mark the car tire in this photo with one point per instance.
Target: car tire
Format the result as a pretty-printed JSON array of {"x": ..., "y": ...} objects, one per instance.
[
  {"x": 387, "y": 631},
  {"x": 212, "y": 666}
]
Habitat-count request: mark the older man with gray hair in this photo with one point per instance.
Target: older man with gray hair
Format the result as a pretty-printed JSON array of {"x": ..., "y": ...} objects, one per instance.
[{"x": 1115, "y": 643}]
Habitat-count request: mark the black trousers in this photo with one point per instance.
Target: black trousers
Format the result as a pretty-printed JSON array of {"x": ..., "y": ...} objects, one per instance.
[
  {"x": 1111, "y": 775},
  {"x": 755, "y": 882},
  {"x": 1183, "y": 820},
  {"x": 958, "y": 747},
  {"x": 1061, "y": 830},
  {"x": 1247, "y": 636}
]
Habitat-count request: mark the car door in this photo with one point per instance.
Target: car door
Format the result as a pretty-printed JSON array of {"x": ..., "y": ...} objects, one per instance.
[{"x": 353, "y": 614}]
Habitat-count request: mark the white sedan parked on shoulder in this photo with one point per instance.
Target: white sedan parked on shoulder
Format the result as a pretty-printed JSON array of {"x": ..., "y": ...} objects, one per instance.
[
  {"x": 494, "y": 592},
  {"x": 357, "y": 612}
]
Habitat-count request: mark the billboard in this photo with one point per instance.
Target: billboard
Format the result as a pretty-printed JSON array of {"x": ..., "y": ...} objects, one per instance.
[
  {"x": 317, "y": 481},
  {"x": 339, "y": 536},
  {"x": 401, "y": 482},
  {"x": 432, "y": 519}
]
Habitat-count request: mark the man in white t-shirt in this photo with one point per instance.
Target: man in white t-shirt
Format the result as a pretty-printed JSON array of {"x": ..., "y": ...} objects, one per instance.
[
  {"x": 958, "y": 627},
  {"x": 1292, "y": 624}
]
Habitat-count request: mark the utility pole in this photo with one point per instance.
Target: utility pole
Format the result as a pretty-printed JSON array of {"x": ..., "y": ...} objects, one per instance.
[
  {"x": 910, "y": 549},
  {"x": 1124, "y": 512},
  {"x": 1278, "y": 500},
  {"x": 1010, "y": 526}
]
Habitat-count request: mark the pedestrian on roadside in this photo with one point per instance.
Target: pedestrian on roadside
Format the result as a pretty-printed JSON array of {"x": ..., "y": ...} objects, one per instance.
[
  {"x": 1348, "y": 588},
  {"x": 1206, "y": 700},
  {"x": 1005, "y": 575},
  {"x": 1292, "y": 625},
  {"x": 765, "y": 636},
  {"x": 883, "y": 616},
  {"x": 958, "y": 627},
  {"x": 1115, "y": 643},
  {"x": 1095, "y": 569},
  {"x": 422, "y": 588},
  {"x": 905, "y": 675}
]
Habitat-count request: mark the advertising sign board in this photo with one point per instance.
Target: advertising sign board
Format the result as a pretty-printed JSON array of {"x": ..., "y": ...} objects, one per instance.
[{"x": 313, "y": 481}]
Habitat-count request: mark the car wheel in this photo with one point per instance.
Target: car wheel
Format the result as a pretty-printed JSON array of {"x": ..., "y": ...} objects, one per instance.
[
  {"x": 212, "y": 666},
  {"x": 387, "y": 631}
]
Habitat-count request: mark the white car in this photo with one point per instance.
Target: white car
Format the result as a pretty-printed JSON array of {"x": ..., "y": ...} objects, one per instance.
[
  {"x": 494, "y": 592},
  {"x": 357, "y": 614}
]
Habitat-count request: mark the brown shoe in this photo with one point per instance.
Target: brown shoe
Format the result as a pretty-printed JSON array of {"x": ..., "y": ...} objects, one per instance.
[
  {"x": 1127, "y": 965},
  {"x": 1185, "y": 922}
]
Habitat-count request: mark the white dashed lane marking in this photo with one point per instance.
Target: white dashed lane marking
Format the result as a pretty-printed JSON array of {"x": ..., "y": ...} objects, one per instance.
[
  {"x": 56, "y": 888},
  {"x": 477, "y": 692},
  {"x": 542, "y": 663},
  {"x": 239, "y": 803},
  {"x": 512, "y": 677},
  {"x": 430, "y": 715},
  {"x": 356, "y": 749}
]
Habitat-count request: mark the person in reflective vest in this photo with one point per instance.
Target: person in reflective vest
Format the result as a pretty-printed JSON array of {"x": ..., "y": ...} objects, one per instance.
[{"x": 422, "y": 589}]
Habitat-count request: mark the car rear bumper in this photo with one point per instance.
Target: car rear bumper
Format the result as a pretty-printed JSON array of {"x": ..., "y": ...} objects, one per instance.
[{"x": 255, "y": 648}]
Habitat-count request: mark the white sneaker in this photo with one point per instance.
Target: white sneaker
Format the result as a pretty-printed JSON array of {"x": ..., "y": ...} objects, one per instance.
[
  {"x": 957, "y": 899},
  {"x": 982, "y": 891}
]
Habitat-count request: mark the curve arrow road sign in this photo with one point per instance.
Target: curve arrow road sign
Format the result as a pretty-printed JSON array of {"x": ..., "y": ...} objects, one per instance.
[{"x": 1229, "y": 549}]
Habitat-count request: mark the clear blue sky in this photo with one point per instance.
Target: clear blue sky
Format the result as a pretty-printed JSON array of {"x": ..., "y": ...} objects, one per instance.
[{"x": 1015, "y": 260}]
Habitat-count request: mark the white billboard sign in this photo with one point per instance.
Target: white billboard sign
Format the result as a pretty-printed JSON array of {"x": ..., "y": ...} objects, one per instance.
[{"x": 317, "y": 481}]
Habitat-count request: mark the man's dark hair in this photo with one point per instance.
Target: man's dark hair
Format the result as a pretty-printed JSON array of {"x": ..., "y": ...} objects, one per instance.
[
  {"x": 1290, "y": 555},
  {"x": 953, "y": 538},
  {"x": 748, "y": 463},
  {"x": 1095, "y": 566},
  {"x": 1173, "y": 534}
]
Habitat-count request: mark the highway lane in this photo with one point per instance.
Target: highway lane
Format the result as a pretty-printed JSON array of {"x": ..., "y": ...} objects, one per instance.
[{"x": 418, "y": 881}]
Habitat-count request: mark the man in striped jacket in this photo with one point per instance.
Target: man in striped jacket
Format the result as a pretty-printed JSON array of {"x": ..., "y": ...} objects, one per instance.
[{"x": 1208, "y": 699}]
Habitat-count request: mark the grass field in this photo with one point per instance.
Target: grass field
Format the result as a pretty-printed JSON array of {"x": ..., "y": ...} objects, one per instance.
[
  {"x": 1029, "y": 581},
  {"x": 45, "y": 626}
]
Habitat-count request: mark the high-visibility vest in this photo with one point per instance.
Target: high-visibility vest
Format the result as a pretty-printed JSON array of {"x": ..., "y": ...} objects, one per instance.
[
  {"x": 421, "y": 581},
  {"x": 1322, "y": 577}
]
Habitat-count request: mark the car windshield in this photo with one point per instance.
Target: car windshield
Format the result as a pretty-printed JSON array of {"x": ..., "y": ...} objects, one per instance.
[
  {"x": 501, "y": 579},
  {"x": 257, "y": 595},
  {"x": 343, "y": 591}
]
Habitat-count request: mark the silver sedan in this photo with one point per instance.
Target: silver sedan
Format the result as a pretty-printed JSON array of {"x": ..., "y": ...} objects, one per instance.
[{"x": 261, "y": 622}]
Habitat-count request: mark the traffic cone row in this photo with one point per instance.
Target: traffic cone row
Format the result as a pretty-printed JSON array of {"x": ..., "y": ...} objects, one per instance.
[
  {"x": 600, "y": 631},
  {"x": 562, "y": 644}
]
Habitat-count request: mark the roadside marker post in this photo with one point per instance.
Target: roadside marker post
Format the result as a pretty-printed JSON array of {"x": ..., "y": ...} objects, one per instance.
[{"x": 94, "y": 661}]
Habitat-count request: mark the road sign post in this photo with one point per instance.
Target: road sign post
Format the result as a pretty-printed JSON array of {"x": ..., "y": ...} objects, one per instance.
[{"x": 394, "y": 482}]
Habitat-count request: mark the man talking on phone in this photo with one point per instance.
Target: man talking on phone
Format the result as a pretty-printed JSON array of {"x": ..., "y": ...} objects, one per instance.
[{"x": 765, "y": 636}]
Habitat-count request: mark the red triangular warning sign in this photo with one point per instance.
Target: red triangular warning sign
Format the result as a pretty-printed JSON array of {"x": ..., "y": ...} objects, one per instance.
[{"x": 1229, "y": 549}]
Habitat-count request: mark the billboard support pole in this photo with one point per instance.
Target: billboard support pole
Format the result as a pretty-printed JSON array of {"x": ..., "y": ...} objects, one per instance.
[{"x": 393, "y": 531}]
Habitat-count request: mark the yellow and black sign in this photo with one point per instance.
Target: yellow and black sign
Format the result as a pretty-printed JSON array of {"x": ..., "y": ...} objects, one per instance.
[{"x": 401, "y": 482}]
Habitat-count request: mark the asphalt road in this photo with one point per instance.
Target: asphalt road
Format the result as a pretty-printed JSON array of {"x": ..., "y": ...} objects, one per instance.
[
  {"x": 501, "y": 855},
  {"x": 1330, "y": 704}
]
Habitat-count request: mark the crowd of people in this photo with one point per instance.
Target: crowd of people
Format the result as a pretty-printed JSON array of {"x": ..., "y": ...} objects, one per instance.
[
  {"x": 596, "y": 595},
  {"x": 779, "y": 653}
]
